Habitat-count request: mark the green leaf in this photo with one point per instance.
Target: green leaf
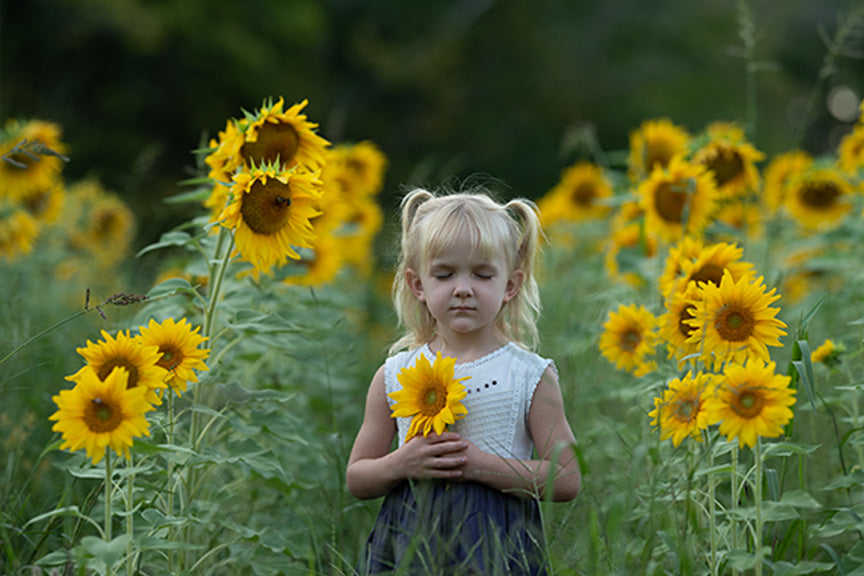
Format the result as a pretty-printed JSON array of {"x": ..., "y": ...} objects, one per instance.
[
  {"x": 257, "y": 322},
  {"x": 854, "y": 478},
  {"x": 805, "y": 567},
  {"x": 107, "y": 552},
  {"x": 800, "y": 499},
  {"x": 169, "y": 288},
  {"x": 167, "y": 240}
]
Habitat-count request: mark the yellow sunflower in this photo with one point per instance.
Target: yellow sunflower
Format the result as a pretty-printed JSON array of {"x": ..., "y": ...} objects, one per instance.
[
  {"x": 678, "y": 200},
  {"x": 711, "y": 263},
  {"x": 270, "y": 213},
  {"x": 356, "y": 169},
  {"x": 141, "y": 362},
  {"x": 751, "y": 401},
  {"x": 850, "y": 151},
  {"x": 680, "y": 411},
  {"x": 777, "y": 174},
  {"x": 38, "y": 167},
  {"x": 178, "y": 345},
  {"x": 284, "y": 137},
  {"x": 653, "y": 145},
  {"x": 730, "y": 159},
  {"x": 224, "y": 159},
  {"x": 430, "y": 395},
  {"x": 18, "y": 233},
  {"x": 827, "y": 353},
  {"x": 681, "y": 255},
  {"x": 674, "y": 327},
  {"x": 734, "y": 321},
  {"x": 577, "y": 196},
  {"x": 321, "y": 264},
  {"x": 100, "y": 413},
  {"x": 819, "y": 198},
  {"x": 45, "y": 205},
  {"x": 629, "y": 338}
]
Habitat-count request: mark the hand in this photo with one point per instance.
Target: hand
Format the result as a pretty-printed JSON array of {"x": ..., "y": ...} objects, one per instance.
[{"x": 433, "y": 456}]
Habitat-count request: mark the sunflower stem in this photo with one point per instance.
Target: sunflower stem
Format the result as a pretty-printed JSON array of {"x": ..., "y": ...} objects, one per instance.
[
  {"x": 757, "y": 489},
  {"x": 130, "y": 494},
  {"x": 108, "y": 494},
  {"x": 712, "y": 507},
  {"x": 170, "y": 481},
  {"x": 733, "y": 505}
]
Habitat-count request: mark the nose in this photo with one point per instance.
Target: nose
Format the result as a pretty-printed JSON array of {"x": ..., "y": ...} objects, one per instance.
[{"x": 462, "y": 289}]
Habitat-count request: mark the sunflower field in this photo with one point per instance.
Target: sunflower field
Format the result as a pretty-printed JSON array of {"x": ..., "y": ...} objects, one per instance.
[{"x": 702, "y": 301}]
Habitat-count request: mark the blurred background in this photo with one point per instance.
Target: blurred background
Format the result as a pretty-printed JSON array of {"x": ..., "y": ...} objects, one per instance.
[{"x": 512, "y": 89}]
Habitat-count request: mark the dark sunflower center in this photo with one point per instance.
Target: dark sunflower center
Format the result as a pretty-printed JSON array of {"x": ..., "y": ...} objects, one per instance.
[
  {"x": 102, "y": 415},
  {"x": 275, "y": 142},
  {"x": 748, "y": 404},
  {"x": 105, "y": 223},
  {"x": 583, "y": 194},
  {"x": 726, "y": 166},
  {"x": 630, "y": 340},
  {"x": 658, "y": 153},
  {"x": 734, "y": 324},
  {"x": 105, "y": 370},
  {"x": 433, "y": 399},
  {"x": 171, "y": 357},
  {"x": 267, "y": 207},
  {"x": 687, "y": 409},
  {"x": 708, "y": 273},
  {"x": 670, "y": 200},
  {"x": 683, "y": 326},
  {"x": 36, "y": 203},
  {"x": 820, "y": 194}
]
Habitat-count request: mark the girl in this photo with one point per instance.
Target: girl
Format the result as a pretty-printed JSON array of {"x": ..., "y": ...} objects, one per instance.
[{"x": 465, "y": 501}]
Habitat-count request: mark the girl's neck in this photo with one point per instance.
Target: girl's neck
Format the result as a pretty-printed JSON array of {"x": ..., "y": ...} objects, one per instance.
[{"x": 466, "y": 349}]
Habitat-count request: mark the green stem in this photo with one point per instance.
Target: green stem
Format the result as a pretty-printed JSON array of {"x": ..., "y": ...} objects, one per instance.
[
  {"x": 712, "y": 507},
  {"x": 130, "y": 495},
  {"x": 757, "y": 489},
  {"x": 170, "y": 480},
  {"x": 109, "y": 491},
  {"x": 39, "y": 335},
  {"x": 733, "y": 505}
]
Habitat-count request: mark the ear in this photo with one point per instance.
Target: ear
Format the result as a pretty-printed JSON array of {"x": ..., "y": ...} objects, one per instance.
[
  {"x": 415, "y": 284},
  {"x": 514, "y": 283}
]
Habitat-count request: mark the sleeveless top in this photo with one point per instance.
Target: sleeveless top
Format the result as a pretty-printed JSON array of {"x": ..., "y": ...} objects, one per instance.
[{"x": 500, "y": 389}]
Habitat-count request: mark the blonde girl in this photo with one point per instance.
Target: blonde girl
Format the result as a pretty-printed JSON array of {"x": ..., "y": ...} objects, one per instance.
[{"x": 465, "y": 501}]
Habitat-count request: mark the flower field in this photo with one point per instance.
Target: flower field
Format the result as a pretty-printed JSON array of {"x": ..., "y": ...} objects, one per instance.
[{"x": 701, "y": 298}]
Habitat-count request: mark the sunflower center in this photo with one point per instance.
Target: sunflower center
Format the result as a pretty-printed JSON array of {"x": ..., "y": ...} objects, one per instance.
[
  {"x": 708, "y": 273},
  {"x": 102, "y": 416},
  {"x": 748, "y": 404},
  {"x": 630, "y": 340},
  {"x": 686, "y": 410},
  {"x": 583, "y": 194},
  {"x": 433, "y": 399},
  {"x": 658, "y": 153},
  {"x": 683, "y": 326},
  {"x": 820, "y": 194},
  {"x": 726, "y": 166},
  {"x": 171, "y": 357},
  {"x": 669, "y": 201},
  {"x": 105, "y": 370},
  {"x": 267, "y": 207},
  {"x": 275, "y": 142},
  {"x": 734, "y": 324}
]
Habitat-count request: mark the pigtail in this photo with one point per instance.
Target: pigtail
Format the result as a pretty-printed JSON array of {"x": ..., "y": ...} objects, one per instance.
[{"x": 523, "y": 311}]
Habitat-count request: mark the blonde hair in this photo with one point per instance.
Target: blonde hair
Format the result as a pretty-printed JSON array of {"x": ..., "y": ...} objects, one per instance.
[{"x": 432, "y": 223}]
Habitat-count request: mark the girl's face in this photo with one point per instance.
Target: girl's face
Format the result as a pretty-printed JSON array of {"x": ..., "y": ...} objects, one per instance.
[{"x": 463, "y": 289}]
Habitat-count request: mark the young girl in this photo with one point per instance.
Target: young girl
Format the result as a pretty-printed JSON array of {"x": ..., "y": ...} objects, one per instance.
[{"x": 465, "y": 501}]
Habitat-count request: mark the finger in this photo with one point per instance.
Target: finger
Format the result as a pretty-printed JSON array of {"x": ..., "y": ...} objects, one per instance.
[
  {"x": 447, "y": 436},
  {"x": 448, "y": 462},
  {"x": 443, "y": 448}
]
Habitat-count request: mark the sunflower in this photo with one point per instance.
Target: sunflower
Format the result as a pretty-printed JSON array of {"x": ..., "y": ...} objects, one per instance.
[
  {"x": 321, "y": 264},
  {"x": 827, "y": 353},
  {"x": 819, "y": 198},
  {"x": 18, "y": 233},
  {"x": 140, "y": 360},
  {"x": 750, "y": 400},
  {"x": 678, "y": 200},
  {"x": 654, "y": 144},
  {"x": 711, "y": 263},
  {"x": 45, "y": 205},
  {"x": 680, "y": 411},
  {"x": 734, "y": 321},
  {"x": 224, "y": 159},
  {"x": 178, "y": 345},
  {"x": 674, "y": 326},
  {"x": 730, "y": 159},
  {"x": 777, "y": 174},
  {"x": 286, "y": 138},
  {"x": 577, "y": 196},
  {"x": 100, "y": 413},
  {"x": 850, "y": 151},
  {"x": 430, "y": 395},
  {"x": 270, "y": 214},
  {"x": 628, "y": 339},
  {"x": 38, "y": 166},
  {"x": 356, "y": 169},
  {"x": 681, "y": 256}
]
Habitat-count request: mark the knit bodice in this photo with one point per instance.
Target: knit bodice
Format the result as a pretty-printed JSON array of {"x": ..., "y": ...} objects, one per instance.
[{"x": 500, "y": 390}]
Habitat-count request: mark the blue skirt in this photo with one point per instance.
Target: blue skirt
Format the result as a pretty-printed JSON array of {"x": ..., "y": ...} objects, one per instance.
[{"x": 455, "y": 528}]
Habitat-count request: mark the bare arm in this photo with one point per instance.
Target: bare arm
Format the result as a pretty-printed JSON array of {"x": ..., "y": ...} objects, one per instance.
[
  {"x": 554, "y": 440},
  {"x": 373, "y": 470}
]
